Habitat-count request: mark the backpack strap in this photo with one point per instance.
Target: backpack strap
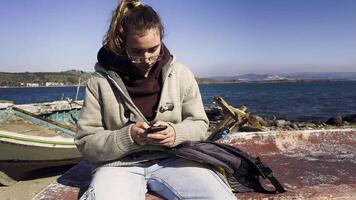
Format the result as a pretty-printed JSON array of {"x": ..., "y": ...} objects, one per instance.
[
  {"x": 261, "y": 169},
  {"x": 266, "y": 172}
]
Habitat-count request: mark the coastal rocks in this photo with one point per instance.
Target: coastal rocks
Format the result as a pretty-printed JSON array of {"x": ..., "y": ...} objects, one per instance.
[
  {"x": 335, "y": 121},
  {"x": 294, "y": 126},
  {"x": 282, "y": 123},
  {"x": 285, "y": 125},
  {"x": 340, "y": 121},
  {"x": 272, "y": 123},
  {"x": 269, "y": 120},
  {"x": 214, "y": 113},
  {"x": 248, "y": 129},
  {"x": 261, "y": 120},
  {"x": 350, "y": 118}
]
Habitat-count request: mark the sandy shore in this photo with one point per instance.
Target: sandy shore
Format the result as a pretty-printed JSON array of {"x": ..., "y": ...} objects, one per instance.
[{"x": 34, "y": 183}]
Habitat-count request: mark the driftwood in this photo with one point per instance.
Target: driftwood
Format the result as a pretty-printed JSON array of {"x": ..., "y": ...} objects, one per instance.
[{"x": 233, "y": 119}]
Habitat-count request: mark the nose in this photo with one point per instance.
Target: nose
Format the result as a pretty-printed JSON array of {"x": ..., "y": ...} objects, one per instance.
[
  {"x": 146, "y": 54},
  {"x": 147, "y": 57}
]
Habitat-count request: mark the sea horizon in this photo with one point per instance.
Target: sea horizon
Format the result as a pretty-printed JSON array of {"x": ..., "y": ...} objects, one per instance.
[{"x": 300, "y": 101}]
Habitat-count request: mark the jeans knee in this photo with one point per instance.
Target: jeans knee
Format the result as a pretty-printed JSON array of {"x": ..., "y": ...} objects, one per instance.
[{"x": 113, "y": 182}]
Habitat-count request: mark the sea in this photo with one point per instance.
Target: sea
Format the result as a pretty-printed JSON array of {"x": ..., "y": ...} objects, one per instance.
[{"x": 301, "y": 101}]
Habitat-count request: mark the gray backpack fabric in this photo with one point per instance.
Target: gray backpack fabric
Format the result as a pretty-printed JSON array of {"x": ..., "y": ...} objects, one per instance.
[{"x": 242, "y": 171}]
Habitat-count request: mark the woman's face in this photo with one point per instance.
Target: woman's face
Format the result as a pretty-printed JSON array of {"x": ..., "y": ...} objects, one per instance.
[{"x": 143, "y": 48}]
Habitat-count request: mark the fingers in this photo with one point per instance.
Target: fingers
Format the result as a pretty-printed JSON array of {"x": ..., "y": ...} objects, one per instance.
[
  {"x": 168, "y": 141},
  {"x": 142, "y": 125},
  {"x": 138, "y": 133},
  {"x": 161, "y": 135},
  {"x": 165, "y": 137}
]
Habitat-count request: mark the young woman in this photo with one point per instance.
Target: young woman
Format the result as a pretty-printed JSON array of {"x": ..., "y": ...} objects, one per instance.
[{"x": 137, "y": 84}]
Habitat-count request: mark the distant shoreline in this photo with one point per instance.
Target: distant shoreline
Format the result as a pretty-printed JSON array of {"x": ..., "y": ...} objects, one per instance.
[{"x": 276, "y": 81}]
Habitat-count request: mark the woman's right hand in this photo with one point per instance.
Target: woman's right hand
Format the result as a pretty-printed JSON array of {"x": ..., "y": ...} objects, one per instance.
[{"x": 138, "y": 133}]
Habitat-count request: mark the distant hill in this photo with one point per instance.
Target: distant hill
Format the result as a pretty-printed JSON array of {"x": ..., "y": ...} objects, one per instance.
[
  {"x": 251, "y": 77},
  {"x": 243, "y": 77},
  {"x": 321, "y": 75},
  {"x": 208, "y": 81},
  {"x": 70, "y": 77},
  {"x": 65, "y": 78}
]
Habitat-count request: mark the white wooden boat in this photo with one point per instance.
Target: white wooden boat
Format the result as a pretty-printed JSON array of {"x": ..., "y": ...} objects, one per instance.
[{"x": 29, "y": 142}]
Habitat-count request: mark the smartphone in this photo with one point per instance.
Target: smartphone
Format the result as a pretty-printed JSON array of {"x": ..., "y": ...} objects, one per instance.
[{"x": 153, "y": 129}]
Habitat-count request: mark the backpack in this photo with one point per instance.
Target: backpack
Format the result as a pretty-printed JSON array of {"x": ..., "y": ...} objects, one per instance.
[{"x": 241, "y": 170}]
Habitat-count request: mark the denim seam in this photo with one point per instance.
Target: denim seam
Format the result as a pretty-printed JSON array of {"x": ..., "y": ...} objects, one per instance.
[
  {"x": 143, "y": 189},
  {"x": 169, "y": 187}
]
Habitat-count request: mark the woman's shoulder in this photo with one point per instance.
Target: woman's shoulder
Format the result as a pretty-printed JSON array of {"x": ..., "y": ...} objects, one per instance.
[
  {"x": 99, "y": 73},
  {"x": 180, "y": 68},
  {"x": 97, "y": 78}
]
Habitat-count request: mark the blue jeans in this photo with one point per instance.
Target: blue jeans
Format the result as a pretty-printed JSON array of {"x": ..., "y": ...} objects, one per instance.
[{"x": 171, "y": 178}]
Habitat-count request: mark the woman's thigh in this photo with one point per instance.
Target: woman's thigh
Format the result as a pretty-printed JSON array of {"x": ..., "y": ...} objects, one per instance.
[
  {"x": 182, "y": 179},
  {"x": 117, "y": 183}
]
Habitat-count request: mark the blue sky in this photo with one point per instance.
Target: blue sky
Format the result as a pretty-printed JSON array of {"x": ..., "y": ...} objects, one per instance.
[{"x": 226, "y": 37}]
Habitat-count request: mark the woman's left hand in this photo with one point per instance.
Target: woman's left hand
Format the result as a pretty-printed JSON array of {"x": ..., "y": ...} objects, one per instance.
[{"x": 164, "y": 138}]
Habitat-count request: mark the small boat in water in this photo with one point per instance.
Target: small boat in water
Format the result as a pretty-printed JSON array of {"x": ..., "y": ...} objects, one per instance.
[{"x": 36, "y": 136}]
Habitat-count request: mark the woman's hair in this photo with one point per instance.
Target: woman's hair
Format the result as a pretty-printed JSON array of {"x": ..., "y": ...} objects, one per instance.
[{"x": 130, "y": 15}]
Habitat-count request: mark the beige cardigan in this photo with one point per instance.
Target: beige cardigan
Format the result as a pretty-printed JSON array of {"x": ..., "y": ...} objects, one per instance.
[{"x": 103, "y": 129}]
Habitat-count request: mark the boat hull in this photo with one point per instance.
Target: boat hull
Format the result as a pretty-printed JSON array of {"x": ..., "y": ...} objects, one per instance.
[
  {"x": 21, "y": 147},
  {"x": 20, "y": 154}
]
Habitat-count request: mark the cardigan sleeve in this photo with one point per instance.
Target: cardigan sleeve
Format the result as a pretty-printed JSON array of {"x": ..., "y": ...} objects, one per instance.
[{"x": 95, "y": 142}]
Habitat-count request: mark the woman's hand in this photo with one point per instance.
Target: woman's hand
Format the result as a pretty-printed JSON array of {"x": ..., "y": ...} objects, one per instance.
[
  {"x": 138, "y": 133},
  {"x": 164, "y": 138}
]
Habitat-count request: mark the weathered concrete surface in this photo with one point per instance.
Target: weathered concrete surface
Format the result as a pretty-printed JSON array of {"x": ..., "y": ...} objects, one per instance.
[{"x": 310, "y": 164}]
